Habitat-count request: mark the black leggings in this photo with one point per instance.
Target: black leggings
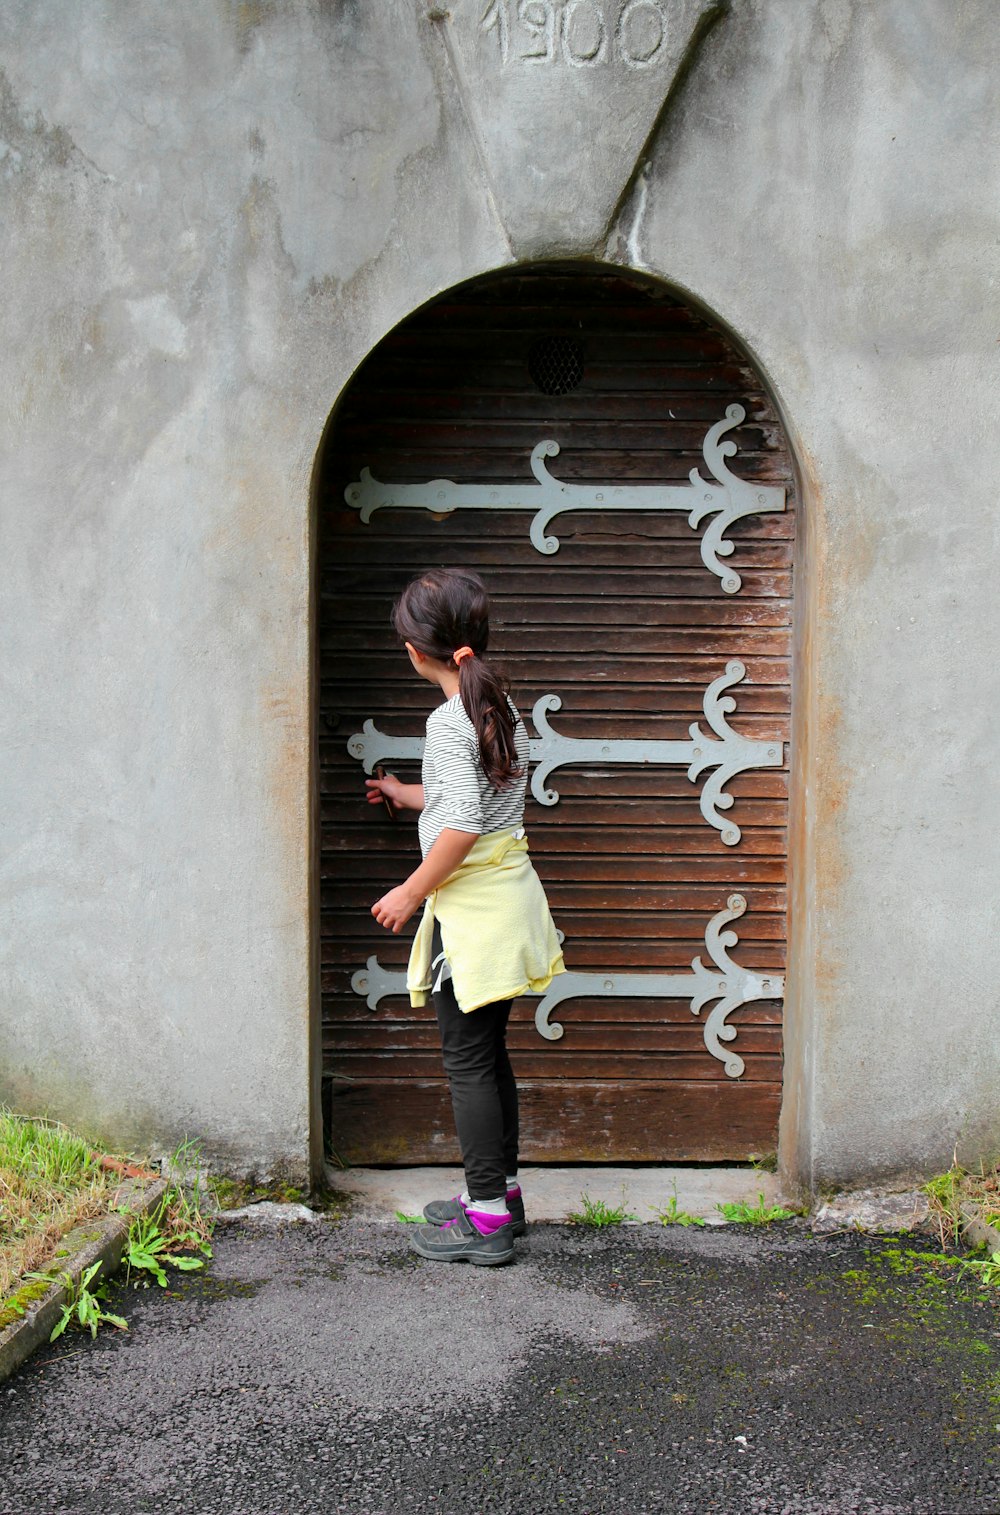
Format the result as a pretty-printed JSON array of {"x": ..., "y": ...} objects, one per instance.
[{"x": 483, "y": 1091}]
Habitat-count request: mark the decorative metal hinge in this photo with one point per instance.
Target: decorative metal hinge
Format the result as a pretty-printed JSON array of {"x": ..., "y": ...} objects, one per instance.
[
  {"x": 727, "y": 500},
  {"x": 727, "y": 984},
  {"x": 729, "y": 755}
]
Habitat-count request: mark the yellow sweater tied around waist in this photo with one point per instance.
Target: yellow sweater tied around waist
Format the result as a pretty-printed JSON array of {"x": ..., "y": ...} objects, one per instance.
[{"x": 496, "y": 931}]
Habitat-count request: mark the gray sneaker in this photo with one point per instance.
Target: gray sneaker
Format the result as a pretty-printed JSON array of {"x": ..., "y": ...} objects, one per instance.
[
  {"x": 440, "y": 1210},
  {"x": 458, "y": 1240}
]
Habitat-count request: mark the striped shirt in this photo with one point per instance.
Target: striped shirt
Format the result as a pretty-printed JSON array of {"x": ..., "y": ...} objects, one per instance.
[{"x": 457, "y": 793}]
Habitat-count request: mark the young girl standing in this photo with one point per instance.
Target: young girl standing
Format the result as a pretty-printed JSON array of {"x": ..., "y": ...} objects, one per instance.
[{"x": 486, "y": 935}]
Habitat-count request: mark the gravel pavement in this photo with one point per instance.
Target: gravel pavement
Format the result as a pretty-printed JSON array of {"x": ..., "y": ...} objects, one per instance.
[{"x": 324, "y": 1367}]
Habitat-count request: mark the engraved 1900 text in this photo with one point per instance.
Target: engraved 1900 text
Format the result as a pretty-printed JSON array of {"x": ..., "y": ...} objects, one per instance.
[{"x": 577, "y": 33}]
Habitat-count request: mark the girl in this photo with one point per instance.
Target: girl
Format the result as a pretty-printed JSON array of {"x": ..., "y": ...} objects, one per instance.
[{"x": 486, "y": 935}]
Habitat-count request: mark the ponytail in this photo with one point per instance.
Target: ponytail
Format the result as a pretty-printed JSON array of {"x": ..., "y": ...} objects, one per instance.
[
  {"x": 484, "y": 696},
  {"x": 447, "y": 610}
]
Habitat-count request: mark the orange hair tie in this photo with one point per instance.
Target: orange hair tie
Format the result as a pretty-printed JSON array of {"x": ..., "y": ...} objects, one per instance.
[{"x": 462, "y": 652}]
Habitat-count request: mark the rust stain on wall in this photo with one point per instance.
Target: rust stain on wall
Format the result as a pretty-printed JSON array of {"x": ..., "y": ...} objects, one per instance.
[
  {"x": 284, "y": 721},
  {"x": 828, "y": 781},
  {"x": 260, "y": 537}
]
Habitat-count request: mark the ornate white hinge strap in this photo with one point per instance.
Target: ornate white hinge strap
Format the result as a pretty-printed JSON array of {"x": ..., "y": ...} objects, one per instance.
[
  {"x": 729, "y": 755},
  {"x": 727, "y": 984},
  {"x": 728, "y": 499}
]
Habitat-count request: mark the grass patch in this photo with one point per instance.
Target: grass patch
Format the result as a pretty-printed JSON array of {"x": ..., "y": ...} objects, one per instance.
[
  {"x": 761, "y": 1214},
  {"x": 50, "y": 1181},
  {"x": 950, "y": 1193},
  {"x": 596, "y": 1213}
]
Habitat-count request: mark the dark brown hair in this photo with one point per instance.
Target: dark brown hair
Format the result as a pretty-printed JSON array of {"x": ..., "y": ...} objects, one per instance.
[{"x": 439, "y": 612}]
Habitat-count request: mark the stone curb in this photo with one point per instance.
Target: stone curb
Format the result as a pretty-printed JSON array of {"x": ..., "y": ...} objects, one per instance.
[
  {"x": 873, "y": 1211},
  {"x": 92, "y": 1241},
  {"x": 267, "y": 1212}
]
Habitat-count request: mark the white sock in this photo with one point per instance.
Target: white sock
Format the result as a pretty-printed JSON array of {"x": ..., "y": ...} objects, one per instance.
[
  {"x": 487, "y": 1206},
  {"x": 513, "y": 1183}
]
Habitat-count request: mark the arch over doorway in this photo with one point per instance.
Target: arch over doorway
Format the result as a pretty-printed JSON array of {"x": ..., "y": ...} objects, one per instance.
[{"x": 659, "y": 643}]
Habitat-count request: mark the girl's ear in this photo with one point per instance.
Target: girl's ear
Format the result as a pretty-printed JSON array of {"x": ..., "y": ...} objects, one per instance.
[{"x": 416, "y": 658}]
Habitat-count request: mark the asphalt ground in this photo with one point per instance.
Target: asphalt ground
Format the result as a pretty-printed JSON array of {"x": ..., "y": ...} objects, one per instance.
[{"x": 325, "y": 1367}]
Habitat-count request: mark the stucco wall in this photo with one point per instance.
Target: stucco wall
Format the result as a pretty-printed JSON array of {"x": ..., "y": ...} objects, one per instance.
[
  {"x": 829, "y": 183},
  {"x": 211, "y": 213}
]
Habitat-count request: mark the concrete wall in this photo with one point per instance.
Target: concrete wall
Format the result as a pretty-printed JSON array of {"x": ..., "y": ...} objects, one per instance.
[
  {"x": 211, "y": 213},
  {"x": 829, "y": 184}
]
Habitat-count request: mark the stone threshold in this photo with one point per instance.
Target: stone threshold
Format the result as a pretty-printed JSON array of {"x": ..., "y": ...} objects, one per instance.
[{"x": 553, "y": 1194}]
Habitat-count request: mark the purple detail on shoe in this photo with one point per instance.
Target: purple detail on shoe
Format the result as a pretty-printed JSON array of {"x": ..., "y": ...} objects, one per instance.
[
  {"x": 446, "y": 1223},
  {"x": 514, "y": 1192},
  {"x": 486, "y": 1223}
]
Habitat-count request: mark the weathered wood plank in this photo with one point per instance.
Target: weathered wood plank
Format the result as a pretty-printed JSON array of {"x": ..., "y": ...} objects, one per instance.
[
  {"x": 697, "y": 902},
  {"x": 672, "y": 933},
  {"x": 696, "y": 406},
  {"x": 697, "y": 840},
  {"x": 622, "y": 685},
  {"x": 696, "y": 581},
  {"x": 560, "y": 1062},
  {"x": 409, "y": 1123},
  {"x": 386, "y": 1036},
  {"x": 580, "y": 784},
  {"x": 730, "y": 871},
  {"x": 353, "y": 946},
  {"x": 669, "y": 712},
  {"x": 596, "y": 1018},
  {"x": 684, "y": 613}
]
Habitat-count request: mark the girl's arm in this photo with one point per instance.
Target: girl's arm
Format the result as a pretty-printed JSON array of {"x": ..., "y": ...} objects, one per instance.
[
  {"x": 449, "y": 851},
  {"x": 401, "y": 796}
]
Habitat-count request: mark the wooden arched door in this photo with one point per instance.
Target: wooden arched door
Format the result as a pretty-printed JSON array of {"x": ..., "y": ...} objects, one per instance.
[{"x": 628, "y": 607}]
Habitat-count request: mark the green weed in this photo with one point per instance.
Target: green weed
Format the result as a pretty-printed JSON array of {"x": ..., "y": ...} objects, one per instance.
[
  {"x": 673, "y": 1215},
  {"x": 148, "y": 1249},
  {"x": 944, "y": 1192},
  {"x": 411, "y": 1220},
  {"x": 83, "y": 1307},
  {"x": 177, "y": 1227},
  {"x": 596, "y": 1212},
  {"x": 760, "y": 1214},
  {"x": 986, "y": 1269}
]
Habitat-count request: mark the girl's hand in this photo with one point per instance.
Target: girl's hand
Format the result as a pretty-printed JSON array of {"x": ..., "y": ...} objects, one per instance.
[
  {"x": 394, "y": 909},
  {"x": 388, "y": 788}
]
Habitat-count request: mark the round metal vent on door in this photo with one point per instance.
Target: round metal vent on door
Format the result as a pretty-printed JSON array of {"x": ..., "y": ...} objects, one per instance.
[{"x": 556, "y": 365}]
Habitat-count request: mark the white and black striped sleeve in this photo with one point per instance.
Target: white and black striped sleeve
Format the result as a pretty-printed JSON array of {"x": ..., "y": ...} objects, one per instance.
[{"x": 451, "y": 765}]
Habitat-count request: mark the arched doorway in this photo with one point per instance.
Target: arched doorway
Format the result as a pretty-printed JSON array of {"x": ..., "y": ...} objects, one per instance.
[{"x": 651, "y": 660}]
